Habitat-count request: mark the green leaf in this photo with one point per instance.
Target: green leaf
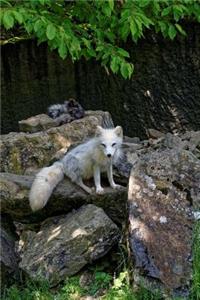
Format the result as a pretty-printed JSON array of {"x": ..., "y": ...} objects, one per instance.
[
  {"x": 18, "y": 16},
  {"x": 163, "y": 26},
  {"x": 178, "y": 11},
  {"x": 124, "y": 70},
  {"x": 110, "y": 36},
  {"x": 100, "y": 48},
  {"x": 114, "y": 64},
  {"x": 138, "y": 23},
  {"x": 130, "y": 69},
  {"x": 143, "y": 3},
  {"x": 124, "y": 31},
  {"x": 42, "y": 2},
  {"x": 53, "y": 44},
  {"x": 111, "y": 4},
  {"x": 123, "y": 52},
  {"x": 51, "y": 31},
  {"x": 180, "y": 29},
  {"x": 172, "y": 31},
  {"x": 29, "y": 27},
  {"x": 134, "y": 29},
  {"x": 146, "y": 21},
  {"x": 62, "y": 50},
  {"x": 166, "y": 11},
  {"x": 91, "y": 52},
  {"x": 4, "y": 2},
  {"x": 106, "y": 9},
  {"x": 38, "y": 25},
  {"x": 155, "y": 7},
  {"x": 125, "y": 14},
  {"x": 8, "y": 20},
  {"x": 86, "y": 42}
]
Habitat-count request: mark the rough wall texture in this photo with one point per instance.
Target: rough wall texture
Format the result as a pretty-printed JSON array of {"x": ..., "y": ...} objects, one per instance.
[
  {"x": 164, "y": 92},
  {"x": 32, "y": 78}
]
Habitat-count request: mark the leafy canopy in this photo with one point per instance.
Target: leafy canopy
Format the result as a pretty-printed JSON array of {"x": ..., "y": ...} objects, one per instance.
[{"x": 97, "y": 28}]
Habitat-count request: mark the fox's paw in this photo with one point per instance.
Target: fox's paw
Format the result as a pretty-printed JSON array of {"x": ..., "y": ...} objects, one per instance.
[
  {"x": 100, "y": 191},
  {"x": 93, "y": 189},
  {"x": 117, "y": 187},
  {"x": 90, "y": 191}
]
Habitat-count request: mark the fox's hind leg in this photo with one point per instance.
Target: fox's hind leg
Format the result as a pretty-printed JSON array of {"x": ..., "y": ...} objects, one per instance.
[
  {"x": 83, "y": 186},
  {"x": 73, "y": 171}
]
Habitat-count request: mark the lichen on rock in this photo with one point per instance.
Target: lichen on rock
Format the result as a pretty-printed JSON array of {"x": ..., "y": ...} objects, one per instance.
[
  {"x": 65, "y": 244},
  {"x": 163, "y": 187}
]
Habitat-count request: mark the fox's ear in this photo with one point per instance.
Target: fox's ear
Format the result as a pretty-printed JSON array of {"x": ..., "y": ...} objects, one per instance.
[
  {"x": 99, "y": 131},
  {"x": 119, "y": 131}
]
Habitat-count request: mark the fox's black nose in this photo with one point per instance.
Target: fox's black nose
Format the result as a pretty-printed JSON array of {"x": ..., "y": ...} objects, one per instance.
[{"x": 109, "y": 155}]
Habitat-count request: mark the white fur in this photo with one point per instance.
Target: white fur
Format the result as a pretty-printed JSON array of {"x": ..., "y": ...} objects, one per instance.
[
  {"x": 43, "y": 185},
  {"x": 83, "y": 162}
]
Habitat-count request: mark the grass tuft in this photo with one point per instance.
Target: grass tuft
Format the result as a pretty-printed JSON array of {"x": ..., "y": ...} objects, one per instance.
[{"x": 195, "y": 292}]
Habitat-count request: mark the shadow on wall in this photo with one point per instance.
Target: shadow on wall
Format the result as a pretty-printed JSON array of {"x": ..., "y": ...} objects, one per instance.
[{"x": 164, "y": 92}]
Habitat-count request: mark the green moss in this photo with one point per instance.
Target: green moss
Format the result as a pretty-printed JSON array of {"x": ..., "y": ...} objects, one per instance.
[{"x": 15, "y": 161}]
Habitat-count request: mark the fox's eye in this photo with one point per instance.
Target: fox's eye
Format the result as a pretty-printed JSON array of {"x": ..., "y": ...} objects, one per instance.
[
  {"x": 113, "y": 144},
  {"x": 103, "y": 145}
]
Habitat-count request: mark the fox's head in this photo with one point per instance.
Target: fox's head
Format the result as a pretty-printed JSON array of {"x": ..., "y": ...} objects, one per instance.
[{"x": 109, "y": 139}]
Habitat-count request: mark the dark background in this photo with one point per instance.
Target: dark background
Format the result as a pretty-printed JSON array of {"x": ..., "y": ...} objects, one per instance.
[{"x": 164, "y": 92}]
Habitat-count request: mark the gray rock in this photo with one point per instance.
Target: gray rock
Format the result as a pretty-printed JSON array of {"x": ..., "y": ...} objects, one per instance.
[
  {"x": 64, "y": 245},
  {"x": 174, "y": 141},
  {"x": 163, "y": 189},
  {"x": 15, "y": 189},
  {"x": 135, "y": 140},
  {"x": 9, "y": 259},
  {"x": 37, "y": 123},
  {"x": 154, "y": 134}
]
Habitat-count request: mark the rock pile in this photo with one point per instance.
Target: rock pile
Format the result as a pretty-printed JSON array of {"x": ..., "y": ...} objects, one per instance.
[{"x": 163, "y": 177}]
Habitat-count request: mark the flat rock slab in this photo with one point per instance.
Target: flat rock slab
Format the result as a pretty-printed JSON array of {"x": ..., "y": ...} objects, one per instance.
[
  {"x": 14, "y": 191},
  {"x": 37, "y": 123},
  {"x": 65, "y": 244},
  {"x": 162, "y": 188}
]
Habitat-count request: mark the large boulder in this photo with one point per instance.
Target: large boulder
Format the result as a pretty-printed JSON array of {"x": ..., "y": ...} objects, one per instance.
[
  {"x": 9, "y": 259},
  {"x": 21, "y": 153},
  {"x": 163, "y": 187},
  {"x": 15, "y": 189},
  {"x": 65, "y": 244}
]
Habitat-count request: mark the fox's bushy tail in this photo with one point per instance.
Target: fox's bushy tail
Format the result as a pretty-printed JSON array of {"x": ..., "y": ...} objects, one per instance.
[{"x": 46, "y": 180}]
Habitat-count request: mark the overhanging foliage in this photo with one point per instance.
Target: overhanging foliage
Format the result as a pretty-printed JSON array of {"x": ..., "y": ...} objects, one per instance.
[{"x": 97, "y": 28}]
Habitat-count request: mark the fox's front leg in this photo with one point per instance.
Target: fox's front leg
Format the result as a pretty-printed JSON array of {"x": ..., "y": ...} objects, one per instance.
[
  {"x": 110, "y": 178},
  {"x": 97, "y": 180}
]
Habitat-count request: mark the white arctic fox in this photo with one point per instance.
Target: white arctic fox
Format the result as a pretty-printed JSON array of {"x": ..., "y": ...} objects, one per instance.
[{"x": 84, "y": 161}]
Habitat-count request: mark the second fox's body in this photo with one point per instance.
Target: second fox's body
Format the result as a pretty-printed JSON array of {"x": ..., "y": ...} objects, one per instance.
[{"x": 85, "y": 161}]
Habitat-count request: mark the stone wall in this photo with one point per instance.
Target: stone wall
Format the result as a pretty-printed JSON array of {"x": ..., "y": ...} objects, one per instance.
[{"x": 164, "y": 92}]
